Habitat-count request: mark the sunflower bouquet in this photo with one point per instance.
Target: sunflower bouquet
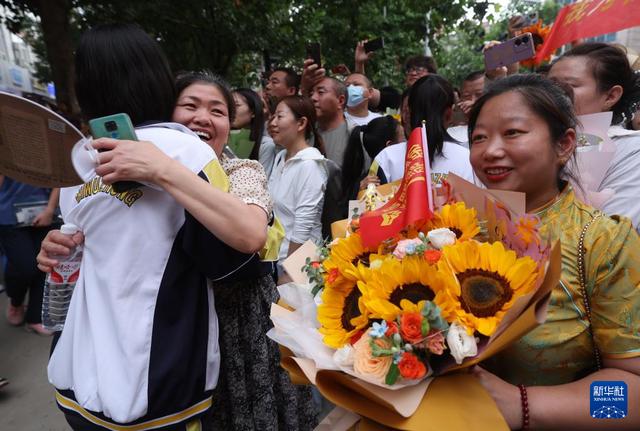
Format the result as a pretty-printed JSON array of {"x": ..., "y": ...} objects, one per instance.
[{"x": 415, "y": 304}]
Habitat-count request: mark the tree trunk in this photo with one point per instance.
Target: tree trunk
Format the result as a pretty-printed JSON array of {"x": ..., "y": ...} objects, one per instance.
[{"x": 56, "y": 32}]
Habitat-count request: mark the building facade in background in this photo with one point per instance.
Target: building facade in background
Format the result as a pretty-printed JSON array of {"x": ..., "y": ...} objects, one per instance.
[{"x": 17, "y": 67}]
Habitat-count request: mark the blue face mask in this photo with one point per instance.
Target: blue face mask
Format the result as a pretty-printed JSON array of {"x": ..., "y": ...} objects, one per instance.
[{"x": 356, "y": 95}]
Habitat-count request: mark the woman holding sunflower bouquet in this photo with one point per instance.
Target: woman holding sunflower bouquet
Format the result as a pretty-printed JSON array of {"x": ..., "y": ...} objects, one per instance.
[{"x": 522, "y": 134}]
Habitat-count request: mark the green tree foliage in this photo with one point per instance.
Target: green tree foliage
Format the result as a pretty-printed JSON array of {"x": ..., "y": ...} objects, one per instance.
[
  {"x": 197, "y": 34},
  {"x": 229, "y": 36},
  {"x": 460, "y": 52},
  {"x": 338, "y": 25}
]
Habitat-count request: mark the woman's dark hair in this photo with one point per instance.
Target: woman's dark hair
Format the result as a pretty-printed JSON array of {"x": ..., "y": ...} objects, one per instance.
[
  {"x": 257, "y": 120},
  {"x": 302, "y": 106},
  {"x": 550, "y": 100},
  {"x": 372, "y": 138},
  {"x": 186, "y": 79},
  {"x": 429, "y": 99},
  {"x": 610, "y": 67},
  {"x": 120, "y": 68},
  {"x": 389, "y": 98}
]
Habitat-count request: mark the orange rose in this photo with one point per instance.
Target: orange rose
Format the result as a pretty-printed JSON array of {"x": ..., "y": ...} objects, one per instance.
[
  {"x": 432, "y": 256},
  {"x": 366, "y": 364},
  {"x": 411, "y": 367},
  {"x": 315, "y": 264},
  {"x": 411, "y": 327}
]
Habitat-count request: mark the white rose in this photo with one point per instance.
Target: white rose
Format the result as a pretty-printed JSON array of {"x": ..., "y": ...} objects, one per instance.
[
  {"x": 461, "y": 344},
  {"x": 344, "y": 356},
  {"x": 441, "y": 237}
]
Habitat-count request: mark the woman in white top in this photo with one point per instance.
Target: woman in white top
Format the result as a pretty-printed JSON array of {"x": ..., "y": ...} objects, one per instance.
[
  {"x": 430, "y": 100},
  {"x": 299, "y": 176},
  {"x": 602, "y": 80}
]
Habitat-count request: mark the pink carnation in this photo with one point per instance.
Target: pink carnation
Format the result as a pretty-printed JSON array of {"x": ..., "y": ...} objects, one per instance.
[{"x": 435, "y": 342}]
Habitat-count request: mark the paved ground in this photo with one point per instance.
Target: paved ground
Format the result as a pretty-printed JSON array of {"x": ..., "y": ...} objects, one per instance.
[{"x": 27, "y": 403}]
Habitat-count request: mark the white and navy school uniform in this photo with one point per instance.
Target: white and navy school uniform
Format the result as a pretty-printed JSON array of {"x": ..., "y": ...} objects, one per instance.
[{"x": 140, "y": 343}]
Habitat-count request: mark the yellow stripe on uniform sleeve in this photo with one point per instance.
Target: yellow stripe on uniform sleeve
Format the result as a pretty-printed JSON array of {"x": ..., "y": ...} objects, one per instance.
[
  {"x": 373, "y": 169},
  {"x": 216, "y": 175}
]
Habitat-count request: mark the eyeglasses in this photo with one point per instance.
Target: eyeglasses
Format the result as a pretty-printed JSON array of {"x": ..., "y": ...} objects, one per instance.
[{"x": 415, "y": 69}]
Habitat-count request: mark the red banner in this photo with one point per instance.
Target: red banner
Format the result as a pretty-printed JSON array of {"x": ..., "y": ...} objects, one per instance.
[
  {"x": 410, "y": 204},
  {"x": 589, "y": 18}
]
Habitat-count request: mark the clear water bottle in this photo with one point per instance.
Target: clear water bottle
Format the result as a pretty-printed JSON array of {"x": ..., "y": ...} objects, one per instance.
[{"x": 59, "y": 284}]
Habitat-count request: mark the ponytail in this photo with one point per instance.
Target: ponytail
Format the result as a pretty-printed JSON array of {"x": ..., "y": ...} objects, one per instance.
[
  {"x": 371, "y": 138},
  {"x": 353, "y": 161},
  {"x": 429, "y": 98},
  {"x": 629, "y": 103}
]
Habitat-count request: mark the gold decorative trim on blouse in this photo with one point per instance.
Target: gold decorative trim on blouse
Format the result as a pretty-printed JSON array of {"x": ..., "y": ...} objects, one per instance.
[{"x": 560, "y": 350}]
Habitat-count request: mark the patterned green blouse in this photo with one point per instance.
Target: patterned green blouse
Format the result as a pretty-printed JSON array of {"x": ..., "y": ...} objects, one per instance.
[{"x": 561, "y": 350}]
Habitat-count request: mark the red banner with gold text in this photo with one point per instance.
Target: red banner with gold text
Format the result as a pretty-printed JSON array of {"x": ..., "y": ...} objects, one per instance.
[
  {"x": 410, "y": 204},
  {"x": 589, "y": 18}
]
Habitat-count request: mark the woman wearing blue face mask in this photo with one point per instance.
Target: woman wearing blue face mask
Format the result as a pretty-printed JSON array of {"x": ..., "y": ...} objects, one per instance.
[{"x": 359, "y": 90}]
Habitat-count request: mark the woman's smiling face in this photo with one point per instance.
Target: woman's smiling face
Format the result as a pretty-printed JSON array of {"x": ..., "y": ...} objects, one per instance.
[
  {"x": 202, "y": 108},
  {"x": 512, "y": 149}
]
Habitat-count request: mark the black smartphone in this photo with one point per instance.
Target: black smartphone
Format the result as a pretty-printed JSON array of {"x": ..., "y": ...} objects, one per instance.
[
  {"x": 374, "y": 44},
  {"x": 266, "y": 59},
  {"x": 313, "y": 52}
]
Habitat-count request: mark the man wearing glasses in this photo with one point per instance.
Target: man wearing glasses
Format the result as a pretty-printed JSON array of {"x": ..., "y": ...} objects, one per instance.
[{"x": 418, "y": 66}]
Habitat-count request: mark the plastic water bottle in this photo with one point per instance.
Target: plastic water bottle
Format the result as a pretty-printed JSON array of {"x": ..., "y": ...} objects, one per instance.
[{"x": 59, "y": 284}]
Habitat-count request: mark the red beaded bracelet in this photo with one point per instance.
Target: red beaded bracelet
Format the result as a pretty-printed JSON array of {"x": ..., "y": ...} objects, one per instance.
[{"x": 525, "y": 407}]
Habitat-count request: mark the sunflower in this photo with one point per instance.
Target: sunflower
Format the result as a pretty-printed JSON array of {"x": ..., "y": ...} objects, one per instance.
[
  {"x": 343, "y": 313},
  {"x": 400, "y": 285},
  {"x": 539, "y": 33},
  {"x": 458, "y": 218},
  {"x": 482, "y": 282},
  {"x": 345, "y": 255}
]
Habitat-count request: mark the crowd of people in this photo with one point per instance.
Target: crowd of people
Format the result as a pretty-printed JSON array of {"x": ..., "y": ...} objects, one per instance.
[{"x": 168, "y": 321}]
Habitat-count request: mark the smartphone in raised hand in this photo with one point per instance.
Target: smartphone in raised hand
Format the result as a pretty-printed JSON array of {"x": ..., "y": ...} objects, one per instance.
[
  {"x": 512, "y": 51},
  {"x": 374, "y": 44},
  {"x": 314, "y": 53},
  {"x": 117, "y": 126}
]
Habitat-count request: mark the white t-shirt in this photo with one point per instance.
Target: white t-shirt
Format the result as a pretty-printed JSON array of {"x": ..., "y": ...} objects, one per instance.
[
  {"x": 297, "y": 187},
  {"x": 142, "y": 321},
  {"x": 623, "y": 176},
  {"x": 360, "y": 121},
  {"x": 460, "y": 134},
  {"x": 454, "y": 158}
]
